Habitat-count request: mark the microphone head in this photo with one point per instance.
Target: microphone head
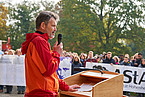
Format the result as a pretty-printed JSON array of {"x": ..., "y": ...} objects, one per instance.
[
  {"x": 59, "y": 38},
  {"x": 59, "y": 35}
]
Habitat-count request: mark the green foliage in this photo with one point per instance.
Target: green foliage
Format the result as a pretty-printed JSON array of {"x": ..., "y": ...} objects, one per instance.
[
  {"x": 105, "y": 25},
  {"x": 3, "y": 18},
  {"x": 22, "y": 18}
]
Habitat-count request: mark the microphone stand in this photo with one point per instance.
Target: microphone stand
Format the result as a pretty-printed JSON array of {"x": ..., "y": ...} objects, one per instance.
[{"x": 84, "y": 69}]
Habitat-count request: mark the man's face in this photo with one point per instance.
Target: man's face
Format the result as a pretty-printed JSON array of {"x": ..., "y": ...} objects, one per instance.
[
  {"x": 18, "y": 53},
  {"x": 126, "y": 60},
  {"x": 51, "y": 28},
  {"x": 90, "y": 55},
  {"x": 121, "y": 57},
  {"x": 82, "y": 57},
  {"x": 109, "y": 55},
  {"x": 76, "y": 59},
  {"x": 140, "y": 56}
]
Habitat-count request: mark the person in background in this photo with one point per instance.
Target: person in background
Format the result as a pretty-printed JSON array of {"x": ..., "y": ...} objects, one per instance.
[
  {"x": 96, "y": 56},
  {"x": 20, "y": 89},
  {"x": 142, "y": 66},
  {"x": 136, "y": 56},
  {"x": 127, "y": 55},
  {"x": 116, "y": 59},
  {"x": 82, "y": 59},
  {"x": 6, "y": 53},
  {"x": 75, "y": 54},
  {"x": 126, "y": 62},
  {"x": 143, "y": 63},
  {"x": 1, "y": 88},
  {"x": 90, "y": 58},
  {"x": 121, "y": 58},
  {"x": 85, "y": 56},
  {"x": 9, "y": 87},
  {"x": 132, "y": 60},
  {"x": 138, "y": 62},
  {"x": 76, "y": 63},
  {"x": 104, "y": 55},
  {"x": 72, "y": 57},
  {"x": 64, "y": 53},
  {"x": 99, "y": 59},
  {"x": 67, "y": 54},
  {"x": 109, "y": 59}
]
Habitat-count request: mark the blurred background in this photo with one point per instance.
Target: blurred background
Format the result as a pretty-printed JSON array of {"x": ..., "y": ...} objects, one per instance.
[{"x": 98, "y": 25}]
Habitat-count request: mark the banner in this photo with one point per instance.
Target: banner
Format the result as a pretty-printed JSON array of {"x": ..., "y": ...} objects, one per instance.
[
  {"x": 134, "y": 77},
  {"x": 64, "y": 69},
  {"x": 12, "y": 69}
]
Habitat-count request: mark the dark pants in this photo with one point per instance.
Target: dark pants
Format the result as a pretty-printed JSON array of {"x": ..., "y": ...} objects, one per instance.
[
  {"x": 21, "y": 88},
  {"x": 1, "y": 87},
  {"x": 140, "y": 95},
  {"x": 126, "y": 93},
  {"x": 9, "y": 88}
]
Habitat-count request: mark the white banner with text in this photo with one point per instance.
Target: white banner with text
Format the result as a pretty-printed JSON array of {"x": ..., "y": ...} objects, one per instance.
[
  {"x": 12, "y": 69},
  {"x": 134, "y": 77}
]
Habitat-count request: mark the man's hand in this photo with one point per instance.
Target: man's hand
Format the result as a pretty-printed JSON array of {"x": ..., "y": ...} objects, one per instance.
[
  {"x": 143, "y": 61},
  {"x": 73, "y": 88},
  {"x": 135, "y": 64},
  {"x": 111, "y": 64},
  {"x": 58, "y": 48}
]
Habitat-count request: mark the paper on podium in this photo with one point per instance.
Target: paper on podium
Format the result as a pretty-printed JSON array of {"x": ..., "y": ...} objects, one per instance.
[
  {"x": 85, "y": 87},
  {"x": 98, "y": 75}
]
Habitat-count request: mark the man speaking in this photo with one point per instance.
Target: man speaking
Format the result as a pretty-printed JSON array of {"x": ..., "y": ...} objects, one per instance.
[{"x": 40, "y": 62}]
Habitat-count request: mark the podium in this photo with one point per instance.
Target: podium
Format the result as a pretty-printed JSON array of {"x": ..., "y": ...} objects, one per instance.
[{"x": 109, "y": 84}]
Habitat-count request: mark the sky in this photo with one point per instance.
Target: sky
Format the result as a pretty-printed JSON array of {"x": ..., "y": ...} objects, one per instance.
[{"x": 19, "y": 1}]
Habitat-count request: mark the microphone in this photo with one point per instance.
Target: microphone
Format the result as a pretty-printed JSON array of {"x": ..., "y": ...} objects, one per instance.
[{"x": 59, "y": 38}]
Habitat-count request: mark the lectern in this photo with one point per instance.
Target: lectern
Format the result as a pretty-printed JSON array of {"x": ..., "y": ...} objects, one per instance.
[{"x": 109, "y": 84}]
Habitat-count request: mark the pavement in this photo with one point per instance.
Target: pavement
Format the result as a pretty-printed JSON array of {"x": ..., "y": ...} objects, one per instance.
[{"x": 13, "y": 94}]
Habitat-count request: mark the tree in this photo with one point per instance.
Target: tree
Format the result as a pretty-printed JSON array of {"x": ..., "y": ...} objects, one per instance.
[
  {"x": 3, "y": 19},
  {"x": 22, "y": 18},
  {"x": 104, "y": 25}
]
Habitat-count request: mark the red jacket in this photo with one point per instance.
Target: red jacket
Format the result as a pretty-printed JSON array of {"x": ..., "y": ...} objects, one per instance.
[
  {"x": 90, "y": 60},
  {"x": 40, "y": 67}
]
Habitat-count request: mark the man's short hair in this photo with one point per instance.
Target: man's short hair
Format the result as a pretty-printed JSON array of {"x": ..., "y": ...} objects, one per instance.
[
  {"x": 45, "y": 16},
  {"x": 121, "y": 55},
  {"x": 127, "y": 58},
  {"x": 90, "y": 51},
  {"x": 109, "y": 53},
  {"x": 140, "y": 54}
]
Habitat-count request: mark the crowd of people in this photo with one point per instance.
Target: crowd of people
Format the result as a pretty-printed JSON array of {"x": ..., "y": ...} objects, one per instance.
[
  {"x": 20, "y": 89},
  {"x": 136, "y": 60},
  {"x": 80, "y": 60}
]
